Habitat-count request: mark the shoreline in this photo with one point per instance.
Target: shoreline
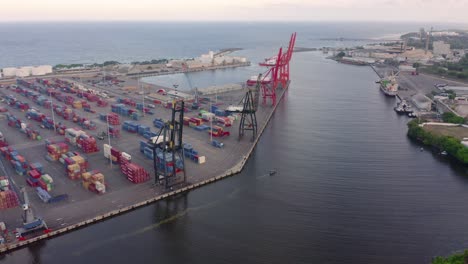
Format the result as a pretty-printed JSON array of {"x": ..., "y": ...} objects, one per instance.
[{"x": 237, "y": 168}]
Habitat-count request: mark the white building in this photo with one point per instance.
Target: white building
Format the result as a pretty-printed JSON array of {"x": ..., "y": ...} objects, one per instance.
[
  {"x": 206, "y": 58},
  {"x": 441, "y": 48},
  {"x": 444, "y": 33}
]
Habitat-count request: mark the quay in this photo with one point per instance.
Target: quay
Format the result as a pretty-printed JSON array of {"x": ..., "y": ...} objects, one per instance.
[{"x": 122, "y": 198}]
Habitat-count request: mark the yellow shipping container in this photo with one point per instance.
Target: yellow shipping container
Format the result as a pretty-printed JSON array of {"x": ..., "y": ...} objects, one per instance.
[
  {"x": 78, "y": 159},
  {"x": 98, "y": 177},
  {"x": 73, "y": 167},
  {"x": 86, "y": 184},
  {"x": 86, "y": 176}
]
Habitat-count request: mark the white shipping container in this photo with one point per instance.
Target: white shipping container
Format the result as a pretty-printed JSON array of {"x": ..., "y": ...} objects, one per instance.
[
  {"x": 201, "y": 159},
  {"x": 107, "y": 150},
  {"x": 126, "y": 156},
  {"x": 208, "y": 116}
]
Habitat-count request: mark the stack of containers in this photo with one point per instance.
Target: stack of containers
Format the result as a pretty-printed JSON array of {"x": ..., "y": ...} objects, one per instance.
[
  {"x": 135, "y": 116},
  {"x": 3, "y": 143},
  {"x": 114, "y": 119},
  {"x": 48, "y": 123},
  {"x": 32, "y": 134},
  {"x": 102, "y": 103},
  {"x": 33, "y": 178},
  {"x": 87, "y": 143},
  {"x": 87, "y": 124},
  {"x": 207, "y": 116},
  {"x": 202, "y": 128},
  {"x": 114, "y": 132},
  {"x": 4, "y": 183},
  {"x": 115, "y": 155},
  {"x": 19, "y": 163},
  {"x": 134, "y": 172},
  {"x": 45, "y": 182},
  {"x": 165, "y": 162},
  {"x": 61, "y": 129},
  {"x": 225, "y": 121},
  {"x": 142, "y": 129},
  {"x": 37, "y": 166},
  {"x": 130, "y": 126},
  {"x": 74, "y": 171},
  {"x": 8, "y": 199},
  {"x": 77, "y": 104},
  {"x": 71, "y": 135},
  {"x": 68, "y": 113},
  {"x": 35, "y": 115},
  {"x": 159, "y": 123},
  {"x": 194, "y": 122},
  {"x": 54, "y": 151},
  {"x": 143, "y": 145},
  {"x": 94, "y": 181},
  {"x": 220, "y": 112},
  {"x": 148, "y": 152},
  {"x": 186, "y": 120},
  {"x": 149, "y": 134}
]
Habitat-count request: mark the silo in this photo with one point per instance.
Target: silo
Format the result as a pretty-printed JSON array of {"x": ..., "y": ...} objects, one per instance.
[
  {"x": 23, "y": 72},
  {"x": 9, "y": 72}
]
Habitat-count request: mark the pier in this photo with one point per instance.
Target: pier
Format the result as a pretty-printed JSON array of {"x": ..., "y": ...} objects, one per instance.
[{"x": 235, "y": 169}]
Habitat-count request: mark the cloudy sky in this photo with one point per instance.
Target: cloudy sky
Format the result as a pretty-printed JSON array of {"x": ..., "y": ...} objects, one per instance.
[{"x": 236, "y": 10}]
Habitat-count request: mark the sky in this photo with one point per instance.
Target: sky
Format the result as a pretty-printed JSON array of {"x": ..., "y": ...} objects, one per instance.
[{"x": 452, "y": 11}]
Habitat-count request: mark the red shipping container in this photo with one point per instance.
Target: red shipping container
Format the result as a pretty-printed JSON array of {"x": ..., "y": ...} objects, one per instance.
[{"x": 34, "y": 174}]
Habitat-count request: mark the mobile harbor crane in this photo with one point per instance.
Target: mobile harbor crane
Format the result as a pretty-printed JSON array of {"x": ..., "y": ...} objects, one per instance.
[{"x": 31, "y": 223}]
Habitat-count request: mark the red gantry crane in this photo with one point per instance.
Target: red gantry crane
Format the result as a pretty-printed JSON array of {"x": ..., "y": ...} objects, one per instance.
[{"x": 277, "y": 73}]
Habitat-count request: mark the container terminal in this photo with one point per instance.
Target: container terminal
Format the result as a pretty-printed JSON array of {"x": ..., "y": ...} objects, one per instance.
[{"x": 76, "y": 150}]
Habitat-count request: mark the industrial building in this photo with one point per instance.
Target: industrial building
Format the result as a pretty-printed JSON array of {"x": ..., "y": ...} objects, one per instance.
[{"x": 441, "y": 48}]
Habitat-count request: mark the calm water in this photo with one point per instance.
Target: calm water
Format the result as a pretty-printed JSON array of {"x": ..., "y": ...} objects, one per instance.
[{"x": 350, "y": 188}]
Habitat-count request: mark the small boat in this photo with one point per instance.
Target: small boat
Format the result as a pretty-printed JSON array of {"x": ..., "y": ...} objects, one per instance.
[
  {"x": 421, "y": 149},
  {"x": 272, "y": 172},
  {"x": 444, "y": 153}
]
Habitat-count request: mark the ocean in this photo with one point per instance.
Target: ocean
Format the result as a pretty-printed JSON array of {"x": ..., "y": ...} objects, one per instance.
[{"x": 350, "y": 187}]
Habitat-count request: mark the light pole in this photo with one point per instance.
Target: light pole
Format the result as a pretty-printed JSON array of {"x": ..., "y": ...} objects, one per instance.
[
  {"x": 211, "y": 125},
  {"x": 53, "y": 114},
  {"x": 108, "y": 138},
  {"x": 140, "y": 88}
]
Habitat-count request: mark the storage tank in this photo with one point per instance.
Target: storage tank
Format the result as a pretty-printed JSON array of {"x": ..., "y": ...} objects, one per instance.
[
  {"x": 46, "y": 68},
  {"x": 37, "y": 71},
  {"x": 41, "y": 70},
  {"x": 9, "y": 72},
  {"x": 23, "y": 72}
]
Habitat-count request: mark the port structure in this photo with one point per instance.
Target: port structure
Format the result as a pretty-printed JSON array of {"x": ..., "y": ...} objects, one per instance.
[
  {"x": 31, "y": 223},
  {"x": 167, "y": 146},
  {"x": 248, "y": 120},
  {"x": 277, "y": 73}
]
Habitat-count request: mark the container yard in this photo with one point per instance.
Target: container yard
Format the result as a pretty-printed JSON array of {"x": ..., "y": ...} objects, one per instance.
[{"x": 86, "y": 154}]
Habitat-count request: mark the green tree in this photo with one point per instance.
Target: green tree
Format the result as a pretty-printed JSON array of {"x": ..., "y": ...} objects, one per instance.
[
  {"x": 450, "y": 117},
  {"x": 462, "y": 75}
]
